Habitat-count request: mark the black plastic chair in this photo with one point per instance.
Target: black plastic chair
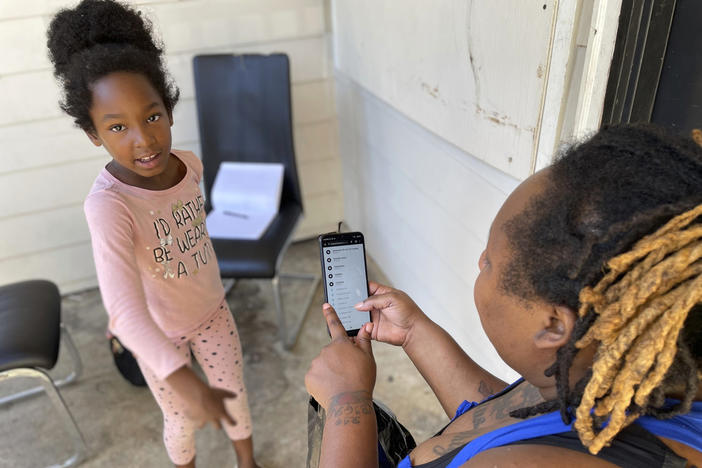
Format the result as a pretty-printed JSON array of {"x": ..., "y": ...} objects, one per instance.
[
  {"x": 30, "y": 333},
  {"x": 245, "y": 114}
]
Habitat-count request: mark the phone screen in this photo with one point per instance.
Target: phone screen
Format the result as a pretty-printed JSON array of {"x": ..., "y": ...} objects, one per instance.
[{"x": 345, "y": 279}]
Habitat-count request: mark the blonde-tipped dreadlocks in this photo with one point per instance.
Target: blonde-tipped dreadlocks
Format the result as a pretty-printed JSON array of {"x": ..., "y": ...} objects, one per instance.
[
  {"x": 641, "y": 305},
  {"x": 586, "y": 243}
]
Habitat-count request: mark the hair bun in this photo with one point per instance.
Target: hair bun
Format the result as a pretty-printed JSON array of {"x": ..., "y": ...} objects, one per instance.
[{"x": 94, "y": 22}]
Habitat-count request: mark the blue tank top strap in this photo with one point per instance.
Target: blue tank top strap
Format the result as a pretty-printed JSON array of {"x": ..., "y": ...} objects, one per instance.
[
  {"x": 464, "y": 407},
  {"x": 405, "y": 463},
  {"x": 546, "y": 424},
  {"x": 467, "y": 405},
  {"x": 684, "y": 428}
]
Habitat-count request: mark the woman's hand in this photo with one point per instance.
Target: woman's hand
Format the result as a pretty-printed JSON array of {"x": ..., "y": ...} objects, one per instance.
[
  {"x": 393, "y": 314},
  {"x": 344, "y": 365},
  {"x": 204, "y": 403}
]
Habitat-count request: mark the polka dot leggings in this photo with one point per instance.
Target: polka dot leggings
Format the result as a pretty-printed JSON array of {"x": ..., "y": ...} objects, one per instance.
[{"x": 217, "y": 349}]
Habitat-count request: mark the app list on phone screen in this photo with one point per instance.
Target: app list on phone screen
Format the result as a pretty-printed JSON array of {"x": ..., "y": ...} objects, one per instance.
[{"x": 344, "y": 268}]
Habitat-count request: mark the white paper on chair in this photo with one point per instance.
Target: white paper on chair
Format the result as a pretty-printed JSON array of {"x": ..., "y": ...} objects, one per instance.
[{"x": 245, "y": 199}]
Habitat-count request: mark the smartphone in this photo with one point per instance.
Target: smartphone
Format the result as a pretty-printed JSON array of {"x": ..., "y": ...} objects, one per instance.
[{"x": 344, "y": 271}]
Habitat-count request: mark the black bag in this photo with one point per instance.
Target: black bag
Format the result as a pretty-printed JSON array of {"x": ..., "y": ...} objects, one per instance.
[
  {"x": 394, "y": 440},
  {"x": 126, "y": 363}
]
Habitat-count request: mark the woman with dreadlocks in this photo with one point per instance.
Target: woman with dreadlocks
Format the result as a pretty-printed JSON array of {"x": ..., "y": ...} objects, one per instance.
[{"x": 591, "y": 288}]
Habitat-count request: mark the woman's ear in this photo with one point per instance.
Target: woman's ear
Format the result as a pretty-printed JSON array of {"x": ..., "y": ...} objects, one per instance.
[
  {"x": 557, "y": 325},
  {"x": 93, "y": 137},
  {"x": 170, "y": 117}
]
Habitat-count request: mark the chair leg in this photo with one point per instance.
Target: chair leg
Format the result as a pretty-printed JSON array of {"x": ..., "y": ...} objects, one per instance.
[
  {"x": 72, "y": 376},
  {"x": 289, "y": 338},
  {"x": 228, "y": 284},
  {"x": 80, "y": 449}
]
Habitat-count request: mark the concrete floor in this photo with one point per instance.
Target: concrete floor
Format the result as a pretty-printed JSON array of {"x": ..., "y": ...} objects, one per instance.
[{"x": 122, "y": 424}]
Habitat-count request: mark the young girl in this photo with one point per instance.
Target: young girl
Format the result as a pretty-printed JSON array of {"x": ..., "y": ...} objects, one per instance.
[
  {"x": 591, "y": 288},
  {"x": 157, "y": 271}
]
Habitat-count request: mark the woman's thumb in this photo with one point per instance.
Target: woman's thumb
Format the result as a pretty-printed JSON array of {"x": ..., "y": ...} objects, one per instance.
[
  {"x": 364, "y": 338},
  {"x": 379, "y": 302}
]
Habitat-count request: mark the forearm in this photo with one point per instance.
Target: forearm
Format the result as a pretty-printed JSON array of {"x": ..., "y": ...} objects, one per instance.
[
  {"x": 350, "y": 437},
  {"x": 449, "y": 371}
]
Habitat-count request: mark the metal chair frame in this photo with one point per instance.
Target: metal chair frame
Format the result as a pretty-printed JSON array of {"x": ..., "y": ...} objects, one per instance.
[
  {"x": 50, "y": 386},
  {"x": 287, "y": 338}
]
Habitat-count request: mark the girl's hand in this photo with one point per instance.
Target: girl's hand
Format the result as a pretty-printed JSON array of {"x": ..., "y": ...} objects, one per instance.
[
  {"x": 204, "y": 403},
  {"x": 393, "y": 314},
  {"x": 210, "y": 408},
  {"x": 344, "y": 365}
]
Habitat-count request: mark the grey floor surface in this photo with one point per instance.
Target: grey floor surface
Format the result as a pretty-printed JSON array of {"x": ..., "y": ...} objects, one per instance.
[{"x": 122, "y": 424}]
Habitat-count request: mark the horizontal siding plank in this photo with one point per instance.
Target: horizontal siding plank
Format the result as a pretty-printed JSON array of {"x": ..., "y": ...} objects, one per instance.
[
  {"x": 34, "y": 96},
  {"x": 12, "y": 10},
  {"x": 23, "y": 44},
  {"x": 320, "y": 210},
  {"x": 24, "y": 235},
  {"x": 313, "y": 101},
  {"x": 320, "y": 177},
  {"x": 60, "y": 266},
  {"x": 26, "y": 8},
  {"x": 316, "y": 140},
  {"x": 220, "y": 23},
  {"x": 76, "y": 285},
  {"x": 44, "y": 143},
  {"x": 47, "y": 188},
  {"x": 28, "y": 97},
  {"x": 309, "y": 55}
]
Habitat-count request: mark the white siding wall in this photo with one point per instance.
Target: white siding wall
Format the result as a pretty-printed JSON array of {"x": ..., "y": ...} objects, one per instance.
[
  {"x": 47, "y": 166},
  {"x": 424, "y": 204},
  {"x": 425, "y": 208}
]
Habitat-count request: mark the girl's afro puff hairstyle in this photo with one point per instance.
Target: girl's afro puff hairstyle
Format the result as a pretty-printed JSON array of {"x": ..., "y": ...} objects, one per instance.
[{"x": 99, "y": 37}]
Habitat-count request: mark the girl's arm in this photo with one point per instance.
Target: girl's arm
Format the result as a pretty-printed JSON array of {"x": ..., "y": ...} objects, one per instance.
[
  {"x": 449, "y": 371},
  {"x": 205, "y": 404},
  {"x": 341, "y": 379},
  {"x": 121, "y": 286}
]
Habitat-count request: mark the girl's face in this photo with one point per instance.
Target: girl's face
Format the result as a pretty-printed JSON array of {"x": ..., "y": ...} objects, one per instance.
[
  {"x": 133, "y": 124},
  {"x": 525, "y": 332}
]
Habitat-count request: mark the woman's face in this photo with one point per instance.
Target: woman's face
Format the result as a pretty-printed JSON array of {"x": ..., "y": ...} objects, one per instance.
[
  {"x": 132, "y": 123},
  {"x": 511, "y": 322}
]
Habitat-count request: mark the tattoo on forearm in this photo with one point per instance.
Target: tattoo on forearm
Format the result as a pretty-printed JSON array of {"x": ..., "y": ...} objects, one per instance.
[{"x": 349, "y": 407}]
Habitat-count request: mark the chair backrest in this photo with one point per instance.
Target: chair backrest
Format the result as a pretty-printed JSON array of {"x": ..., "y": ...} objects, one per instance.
[{"x": 245, "y": 114}]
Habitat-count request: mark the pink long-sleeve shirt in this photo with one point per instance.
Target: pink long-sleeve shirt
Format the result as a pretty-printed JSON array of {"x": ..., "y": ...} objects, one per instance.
[{"x": 156, "y": 268}]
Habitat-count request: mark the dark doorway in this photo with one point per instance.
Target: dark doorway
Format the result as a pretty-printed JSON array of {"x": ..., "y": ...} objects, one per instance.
[{"x": 656, "y": 73}]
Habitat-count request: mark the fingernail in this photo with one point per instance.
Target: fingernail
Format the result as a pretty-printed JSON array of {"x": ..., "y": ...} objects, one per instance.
[
  {"x": 369, "y": 327},
  {"x": 360, "y": 304},
  {"x": 326, "y": 306}
]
